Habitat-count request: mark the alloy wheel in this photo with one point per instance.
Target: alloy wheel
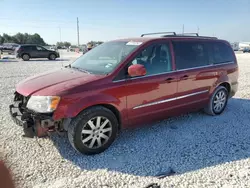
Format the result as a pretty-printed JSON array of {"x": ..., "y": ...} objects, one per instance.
[
  {"x": 96, "y": 132},
  {"x": 219, "y": 101}
]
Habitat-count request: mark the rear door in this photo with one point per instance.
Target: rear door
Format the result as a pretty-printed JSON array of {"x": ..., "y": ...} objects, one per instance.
[
  {"x": 31, "y": 50},
  {"x": 196, "y": 75}
]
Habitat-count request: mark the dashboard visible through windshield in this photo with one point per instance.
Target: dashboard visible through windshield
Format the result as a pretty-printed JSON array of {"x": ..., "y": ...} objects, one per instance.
[{"x": 104, "y": 58}]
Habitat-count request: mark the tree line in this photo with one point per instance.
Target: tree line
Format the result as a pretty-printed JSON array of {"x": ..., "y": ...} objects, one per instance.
[
  {"x": 22, "y": 38},
  {"x": 25, "y": 38}
]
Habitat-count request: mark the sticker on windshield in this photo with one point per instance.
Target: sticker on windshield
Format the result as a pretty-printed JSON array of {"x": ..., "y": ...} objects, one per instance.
[{"x": 134, "y": 43}]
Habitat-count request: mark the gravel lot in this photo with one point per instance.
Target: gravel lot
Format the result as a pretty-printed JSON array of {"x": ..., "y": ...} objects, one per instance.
[{"x": 203, "y": 151}]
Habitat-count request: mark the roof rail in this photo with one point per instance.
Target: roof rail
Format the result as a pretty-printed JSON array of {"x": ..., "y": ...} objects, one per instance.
[
  {"x": 196, "y": 34},
  {"x": 172, "y": 33},
  {"x": 181, "y": 35}
]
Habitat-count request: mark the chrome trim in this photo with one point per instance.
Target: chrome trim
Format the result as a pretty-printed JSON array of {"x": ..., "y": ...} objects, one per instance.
[
  {"x": 168, "y": 100},
  {"x": 174, "y": 71}
]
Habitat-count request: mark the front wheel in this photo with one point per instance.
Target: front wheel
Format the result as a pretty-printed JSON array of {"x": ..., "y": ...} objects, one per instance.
[
  {"x": 217, "y": 102},
  {"x": 52, "y": 57},
  {"x": 93, "y": 130}
]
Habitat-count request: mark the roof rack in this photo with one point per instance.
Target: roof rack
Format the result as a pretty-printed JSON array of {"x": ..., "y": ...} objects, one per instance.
[
  {"x": 172, "y": 33},
  {"x": 196, "y": 34},
  {"x": 189, "y": 35}
]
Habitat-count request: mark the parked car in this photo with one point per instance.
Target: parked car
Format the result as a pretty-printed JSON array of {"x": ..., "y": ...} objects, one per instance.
[
  {"x": 8, "y": 47},
  {"x": 246, "y": 50},
  {"x": 126, "y": 83},
  {"x": 27, "y": 51}
]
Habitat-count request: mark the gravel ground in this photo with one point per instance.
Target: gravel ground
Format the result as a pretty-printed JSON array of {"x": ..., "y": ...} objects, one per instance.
[{"x": 200, "y": 150}]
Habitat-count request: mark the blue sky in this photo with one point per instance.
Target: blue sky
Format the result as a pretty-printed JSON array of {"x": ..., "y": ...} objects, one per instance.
[{"x": 110, "y": 19}]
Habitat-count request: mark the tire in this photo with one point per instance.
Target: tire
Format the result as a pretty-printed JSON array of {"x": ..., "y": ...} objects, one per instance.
[
  {"x": 82, "y": 142},
  {"x": 52, "y": 57},
  {"x": 26, "y": 57},
  {"x": 211, "y": 109}
]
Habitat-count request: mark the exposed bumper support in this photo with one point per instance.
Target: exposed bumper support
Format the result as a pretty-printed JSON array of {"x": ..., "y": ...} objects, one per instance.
[{"x": 33, "y": 124}]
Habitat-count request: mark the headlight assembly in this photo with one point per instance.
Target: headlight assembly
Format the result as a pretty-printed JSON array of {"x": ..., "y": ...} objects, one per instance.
[{"x": 43, "y": 104}]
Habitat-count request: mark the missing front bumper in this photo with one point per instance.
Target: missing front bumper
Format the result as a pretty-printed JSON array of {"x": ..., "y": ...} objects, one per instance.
[{"x": 34, "y": 125}]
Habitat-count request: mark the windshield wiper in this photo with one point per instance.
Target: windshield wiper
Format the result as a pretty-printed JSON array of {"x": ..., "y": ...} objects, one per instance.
[{"x": 80, "y": 69}]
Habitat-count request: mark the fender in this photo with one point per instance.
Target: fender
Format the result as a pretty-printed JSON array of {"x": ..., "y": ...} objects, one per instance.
[
  {"x": 69, "y": 109},
  {"x": 221, "y": 77}
]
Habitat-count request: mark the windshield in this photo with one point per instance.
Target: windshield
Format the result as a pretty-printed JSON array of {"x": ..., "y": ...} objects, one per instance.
[{"x": 104, "y": 58}]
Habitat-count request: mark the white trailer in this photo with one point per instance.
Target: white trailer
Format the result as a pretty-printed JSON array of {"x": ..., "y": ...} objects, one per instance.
[
  {"x": 235, "y": 46},
  {"x": 243, "y": 45}
]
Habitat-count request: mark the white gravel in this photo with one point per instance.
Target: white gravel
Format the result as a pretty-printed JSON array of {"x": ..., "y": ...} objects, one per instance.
[{"x": 204, "y": 151}]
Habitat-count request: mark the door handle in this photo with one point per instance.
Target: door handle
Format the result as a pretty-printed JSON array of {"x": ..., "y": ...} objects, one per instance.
[
  {"x": 184, "y": 77},
  {"x": 169, "y": 80}
]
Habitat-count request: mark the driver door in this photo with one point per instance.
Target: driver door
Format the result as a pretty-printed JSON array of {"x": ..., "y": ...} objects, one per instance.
[
  {"x": 41, "y": 52},
  {"x": 152, "y": 97}
]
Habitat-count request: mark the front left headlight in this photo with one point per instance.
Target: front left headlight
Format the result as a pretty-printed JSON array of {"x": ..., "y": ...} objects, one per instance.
[{"x": 43, "y": 104}]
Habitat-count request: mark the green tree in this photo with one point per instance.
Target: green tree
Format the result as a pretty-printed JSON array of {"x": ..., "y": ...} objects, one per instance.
[
  {"x": 1, "y": 39},
  {"x": 66, "y": 44},
  {"x": 21, "y": 38},
  {"x": 95, "y": 43}
]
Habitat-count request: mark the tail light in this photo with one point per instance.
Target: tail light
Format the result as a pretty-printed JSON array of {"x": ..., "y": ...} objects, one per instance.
[{"x": 19, "y": 50}]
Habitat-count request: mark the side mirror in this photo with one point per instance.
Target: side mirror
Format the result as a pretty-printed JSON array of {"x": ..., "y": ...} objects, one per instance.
[{"x": 137, "y": 70}]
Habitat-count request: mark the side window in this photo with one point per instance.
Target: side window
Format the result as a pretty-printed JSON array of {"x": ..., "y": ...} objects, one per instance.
[
  {"x": 156, "y": 59},
  {"x": 39, "y": 48},
  {"x": 221, "y": 53},
  {"x": 190, "y": 54}
]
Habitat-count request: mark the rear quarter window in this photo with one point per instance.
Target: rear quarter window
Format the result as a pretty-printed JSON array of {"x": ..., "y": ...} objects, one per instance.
[
  {"x": 29, "y": 48},
  {"x": 221, "y": 53}
]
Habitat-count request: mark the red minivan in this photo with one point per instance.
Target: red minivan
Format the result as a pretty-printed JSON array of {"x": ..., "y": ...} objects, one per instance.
[{"x": 125, "y": 83}]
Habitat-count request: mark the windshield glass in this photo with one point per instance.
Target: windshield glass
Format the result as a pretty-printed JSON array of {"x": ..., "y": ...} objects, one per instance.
[{"x": 104, "y": 58}]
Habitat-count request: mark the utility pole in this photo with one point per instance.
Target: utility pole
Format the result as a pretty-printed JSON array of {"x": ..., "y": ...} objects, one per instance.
[
  {"x": 60, "y": 34},
  {"x": 78, "y": 42},
  {"x": 198, "y": 30},
  {"x": 183, "y": 29}
]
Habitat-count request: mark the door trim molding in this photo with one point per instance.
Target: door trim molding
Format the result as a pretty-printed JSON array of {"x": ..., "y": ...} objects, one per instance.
[{"x": 170, "y": 99}]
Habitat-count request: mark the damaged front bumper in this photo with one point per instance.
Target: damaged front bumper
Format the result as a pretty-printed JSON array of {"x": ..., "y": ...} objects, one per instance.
[{"x": 34, "y": 124}]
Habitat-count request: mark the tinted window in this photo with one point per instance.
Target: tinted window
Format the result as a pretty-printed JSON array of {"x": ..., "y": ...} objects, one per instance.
[
  {"x": 190, "y": 54},
  {"x": 29, "y": 47},
  {"x": 156, "y": 59},
  {"x": 221, "y": 53}
]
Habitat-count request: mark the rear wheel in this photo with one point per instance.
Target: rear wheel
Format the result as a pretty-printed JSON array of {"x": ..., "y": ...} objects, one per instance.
[
  {"x": 52, "y": 57},
  {"x": 26, "y": 57},
  {"x": 93, "y": 130},
  {"x": 218, "y": 101}
]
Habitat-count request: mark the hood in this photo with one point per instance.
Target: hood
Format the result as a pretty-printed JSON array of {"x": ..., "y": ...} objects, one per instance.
[{"x": 54, "y": 82}]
